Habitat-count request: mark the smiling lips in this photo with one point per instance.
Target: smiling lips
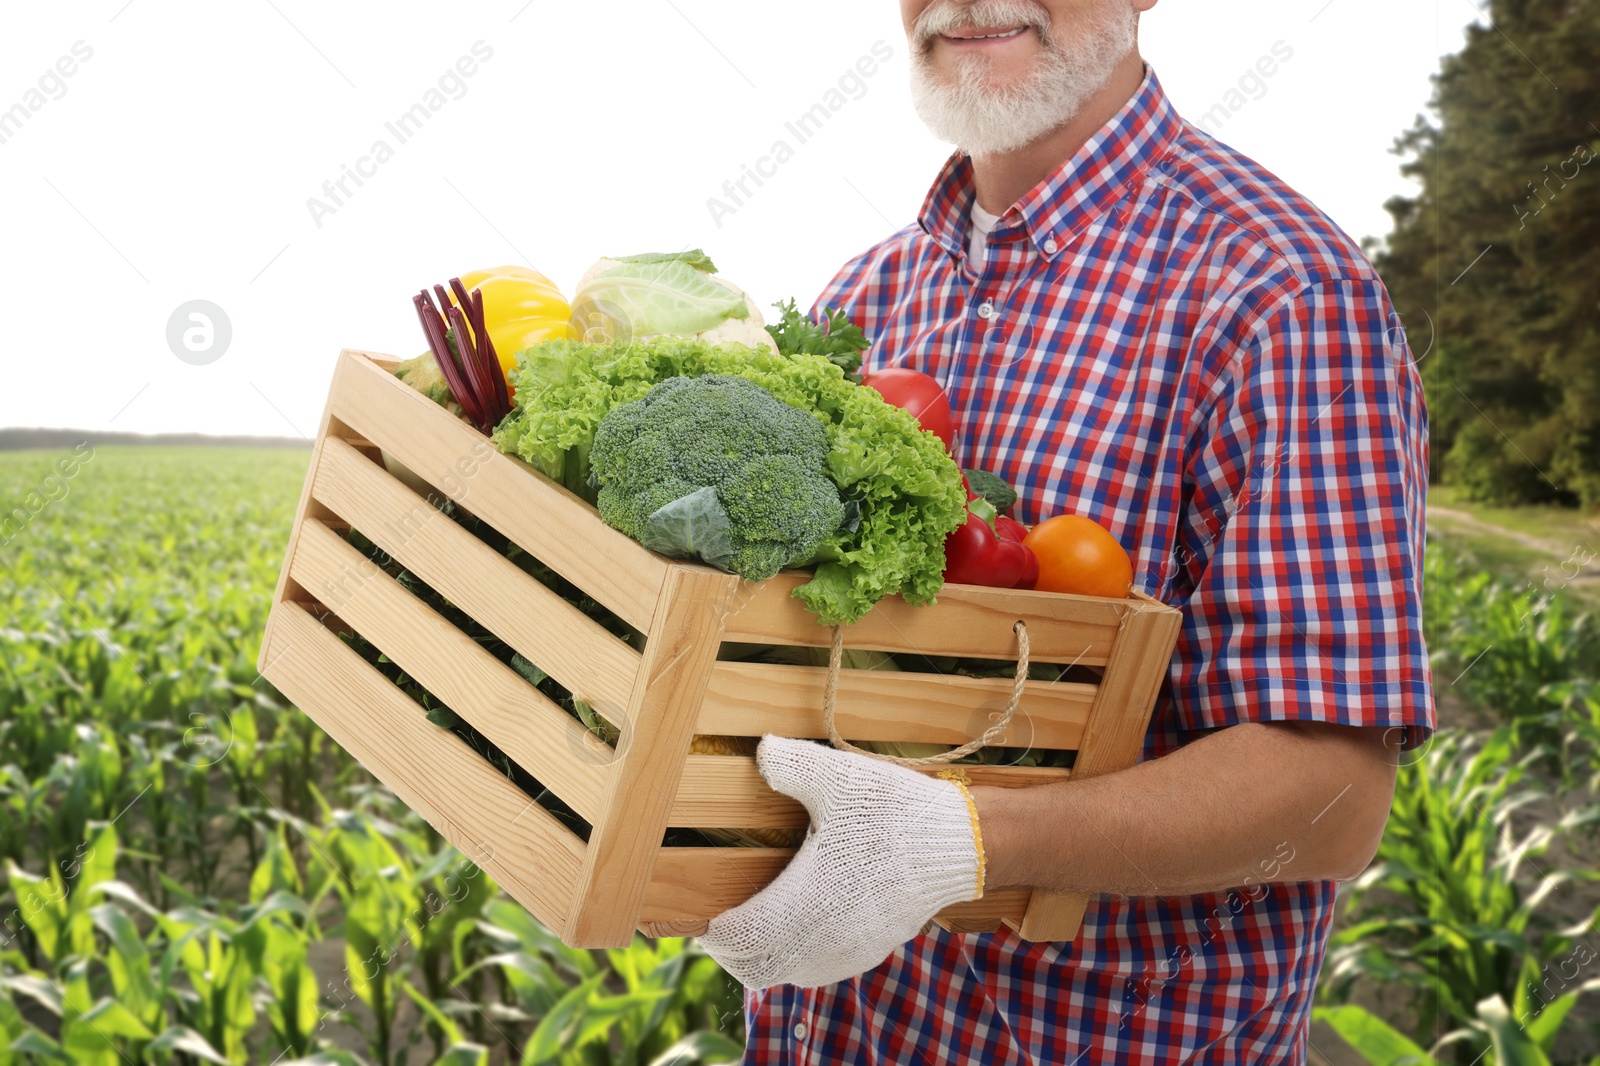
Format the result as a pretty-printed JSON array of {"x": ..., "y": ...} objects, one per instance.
[{"x": 984, "y": 33}]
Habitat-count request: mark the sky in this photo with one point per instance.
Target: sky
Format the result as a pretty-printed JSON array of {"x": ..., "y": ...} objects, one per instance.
[{"x": 180, "y": 158}]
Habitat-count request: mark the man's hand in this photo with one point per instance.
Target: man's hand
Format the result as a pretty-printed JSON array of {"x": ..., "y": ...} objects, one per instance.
[{"x": 888, "y": 848}]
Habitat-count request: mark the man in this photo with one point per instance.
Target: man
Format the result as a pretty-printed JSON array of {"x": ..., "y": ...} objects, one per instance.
[{"x": 1135, "y": 323}]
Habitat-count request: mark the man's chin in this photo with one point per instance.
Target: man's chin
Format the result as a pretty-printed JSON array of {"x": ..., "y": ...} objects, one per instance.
[{"x": 997, "y": 82}]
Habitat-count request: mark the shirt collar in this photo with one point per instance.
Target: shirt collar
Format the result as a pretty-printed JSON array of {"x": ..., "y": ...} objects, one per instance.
[{"x": 1076, "y": 192}]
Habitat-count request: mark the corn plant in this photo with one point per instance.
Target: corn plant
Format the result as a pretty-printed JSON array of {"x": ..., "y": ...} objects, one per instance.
[
  {"x": 664, "y": 1001},
  {"x": 1510, "y": 1041},
  {"x": 1444, "y": 911},
  {"x": 1508, "y": 648},
  {"x": 177, "y": 842}
]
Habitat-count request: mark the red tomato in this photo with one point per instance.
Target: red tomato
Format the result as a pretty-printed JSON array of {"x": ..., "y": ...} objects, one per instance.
[{"x": 921, "y": 395}]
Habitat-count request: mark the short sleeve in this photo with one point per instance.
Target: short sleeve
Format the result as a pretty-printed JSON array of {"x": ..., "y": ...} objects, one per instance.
[{"x": 1303, "y": 534}]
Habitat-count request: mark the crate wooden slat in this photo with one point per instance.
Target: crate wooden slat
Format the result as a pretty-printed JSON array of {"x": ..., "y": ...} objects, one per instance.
[
  {"x": 943, "y": 709},
  {"x": 598, "y": 892},
  {"x": 971, "y": 621},
  {"x": 531, "y": 854},
  {"x": 650, "y": 753},
  {"x": 524, "y": 613},
  {"x": 701, "y": 882},
  {"x": 721, "y": 792},
  {"x": 538, "y": 735},
  {"x": 455, "y": 458}
]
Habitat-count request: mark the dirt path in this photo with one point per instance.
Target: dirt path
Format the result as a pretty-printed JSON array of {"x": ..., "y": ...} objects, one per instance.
[
  {"x": 1527, "y": 540},
  {"x": 1564, "y": 557}
]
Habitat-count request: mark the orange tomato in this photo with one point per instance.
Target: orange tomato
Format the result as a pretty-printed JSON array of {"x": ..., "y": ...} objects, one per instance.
[{"x": 1077, "y": 555}]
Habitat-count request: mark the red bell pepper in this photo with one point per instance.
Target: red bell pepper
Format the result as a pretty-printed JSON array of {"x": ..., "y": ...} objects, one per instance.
[
  {"x": 1009, "y": 529},
  {"x": 976, "y": 554}
]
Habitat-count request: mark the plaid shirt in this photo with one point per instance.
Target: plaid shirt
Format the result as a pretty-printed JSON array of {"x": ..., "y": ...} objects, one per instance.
[{"x": 1165, "y": 338}]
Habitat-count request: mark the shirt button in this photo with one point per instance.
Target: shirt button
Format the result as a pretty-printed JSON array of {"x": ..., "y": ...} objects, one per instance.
[
  {"x": 800, "y": 1031},
  {"x": 986, "y": 310},
  {"x": 1050, "y": 246}
]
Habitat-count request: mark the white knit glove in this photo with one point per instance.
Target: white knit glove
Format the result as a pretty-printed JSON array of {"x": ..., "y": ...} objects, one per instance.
[{"x": 888, "y": 848}]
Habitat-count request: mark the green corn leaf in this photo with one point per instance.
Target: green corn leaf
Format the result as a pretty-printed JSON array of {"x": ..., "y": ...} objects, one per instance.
[
  {"x": 182, "y": 1039},
  {"x": 606, "y": 1012},
  {"x": 96, "y": 865},
  {"x": 464, "y": 1054},
  {"x": 43, "y": 992},
  {"x": 128, "y": 960},
  {"x": 42, "y": 905},
  {"x": 531, "y": 978},
  {"x": 1372, "y": 1037},
  {"x": 451, "y": 1031},
  {"x": 1543, "y": 1024},
  {"x": 109, "y": 1018},
  {"x": 128, "y": 895},
  {"x": 704, "y": 1046},
  {"x": 276, "y": 870},
  {"x": 516, "y": 921},
  {"x": 92, "y": 1037},
  {"x": 292, "y": 1009},
  {"x": 667, "y": 975},
  {"x": 12, "y": 1026},
  {"x": 1512, "y": 1044},
  {"x": 555, "y": 1031},
  {"x": 35, "y": 1043}
]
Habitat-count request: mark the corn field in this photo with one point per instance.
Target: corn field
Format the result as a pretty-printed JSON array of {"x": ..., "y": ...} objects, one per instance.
[{"x": 194, "y": 873}]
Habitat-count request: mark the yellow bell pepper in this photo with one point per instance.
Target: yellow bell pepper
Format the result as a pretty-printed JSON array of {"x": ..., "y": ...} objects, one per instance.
[{"x": 521, "y": 307}]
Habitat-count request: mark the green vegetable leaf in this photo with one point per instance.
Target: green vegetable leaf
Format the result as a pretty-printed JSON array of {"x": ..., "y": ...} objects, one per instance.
[
  {"x": 835, "y": 338},
  {"x": 530, "y": 673},
  {"x": 908, "y": 488},
  {"x": 638, "y": 299},
  {"x": 693, "y": 257},
  {"x": 695, "y": 526},
  {"x": 443, "y": 717}
]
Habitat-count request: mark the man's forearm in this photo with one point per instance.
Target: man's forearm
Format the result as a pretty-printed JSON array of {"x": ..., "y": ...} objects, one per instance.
[{"x": 1247, "y": 804}]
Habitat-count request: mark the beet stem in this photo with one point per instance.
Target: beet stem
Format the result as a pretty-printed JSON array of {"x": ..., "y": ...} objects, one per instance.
[{"x": 439, "y": 344}]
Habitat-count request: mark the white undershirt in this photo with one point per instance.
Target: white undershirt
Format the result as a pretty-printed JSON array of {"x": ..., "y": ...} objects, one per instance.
[{"x": 977, "y": 238}]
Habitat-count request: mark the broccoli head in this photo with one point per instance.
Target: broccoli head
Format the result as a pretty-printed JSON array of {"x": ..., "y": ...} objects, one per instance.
[{"x": 772, "y": 502}]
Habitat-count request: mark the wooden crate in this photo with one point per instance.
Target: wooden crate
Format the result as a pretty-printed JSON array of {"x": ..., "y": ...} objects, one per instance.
[{"x": 597, "y": 893}]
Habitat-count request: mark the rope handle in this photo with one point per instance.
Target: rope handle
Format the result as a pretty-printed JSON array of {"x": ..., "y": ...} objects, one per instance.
[{"x": 831, "y": 690}]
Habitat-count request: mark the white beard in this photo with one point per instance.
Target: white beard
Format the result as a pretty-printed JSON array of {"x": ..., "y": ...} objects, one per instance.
[{"x": 982, "y": 120}]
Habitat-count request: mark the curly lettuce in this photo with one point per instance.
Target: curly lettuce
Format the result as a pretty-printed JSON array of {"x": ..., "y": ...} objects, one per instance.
[{"x": 899, "y": 478}]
